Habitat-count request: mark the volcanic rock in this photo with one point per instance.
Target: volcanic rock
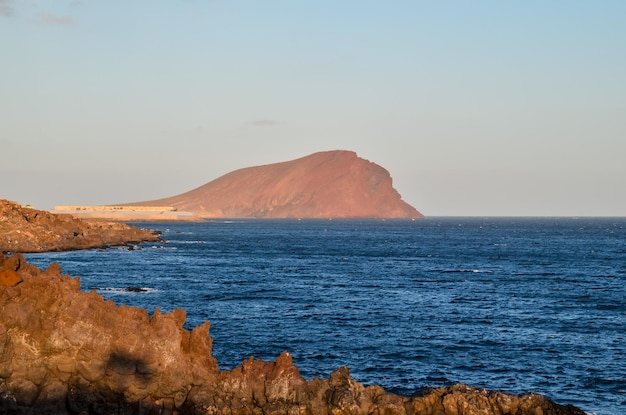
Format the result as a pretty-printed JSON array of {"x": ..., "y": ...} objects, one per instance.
[
  {"x": 65, "y": 351},
  {"x": 331, "y": 184},
  {"x": 23, "y": 229}
]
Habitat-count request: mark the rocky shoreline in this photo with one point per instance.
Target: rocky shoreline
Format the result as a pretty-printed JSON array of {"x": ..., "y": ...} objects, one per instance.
[
  {"x": 23, "y": 229},
  {"x": 65, "y": 351}
]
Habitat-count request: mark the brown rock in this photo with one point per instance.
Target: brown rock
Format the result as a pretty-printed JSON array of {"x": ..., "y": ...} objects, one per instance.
[
  {"x": 28, "y": 230},
  {"x": 331, "y": 184},
  {"x": 9, "y": 278},
  {"x": 89, "y": 356}
]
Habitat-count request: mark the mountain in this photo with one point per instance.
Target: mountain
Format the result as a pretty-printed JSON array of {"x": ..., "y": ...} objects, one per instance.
[{"x": 330, "y": 184}]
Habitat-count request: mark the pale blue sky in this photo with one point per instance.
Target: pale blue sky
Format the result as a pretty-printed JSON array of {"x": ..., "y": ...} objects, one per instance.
[{"x": 477, "y": 108}]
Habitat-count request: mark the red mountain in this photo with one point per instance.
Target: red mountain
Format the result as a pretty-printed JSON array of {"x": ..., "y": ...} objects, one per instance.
[{"x": 331, "y": 184}]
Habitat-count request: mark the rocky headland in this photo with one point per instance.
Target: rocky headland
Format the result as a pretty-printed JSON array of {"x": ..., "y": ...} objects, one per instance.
[
  {"x": 65, "y": 351},
  {"x": 23, "y": 229},
  {"x": 330, "y": 184}
]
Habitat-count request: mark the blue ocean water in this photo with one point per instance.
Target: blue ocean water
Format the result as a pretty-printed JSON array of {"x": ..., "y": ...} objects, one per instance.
[{"x": 514, "y": 304}]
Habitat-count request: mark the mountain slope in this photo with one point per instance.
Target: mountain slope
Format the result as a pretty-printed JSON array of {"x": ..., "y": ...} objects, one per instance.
[{"x": 331, "y": 184}]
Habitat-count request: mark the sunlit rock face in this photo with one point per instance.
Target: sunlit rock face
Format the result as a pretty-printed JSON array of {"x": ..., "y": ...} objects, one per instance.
[
  {"x": 23, "y": 229},
  {"x": 331, "y": 184},
  {"x": 65, "y": 351}
]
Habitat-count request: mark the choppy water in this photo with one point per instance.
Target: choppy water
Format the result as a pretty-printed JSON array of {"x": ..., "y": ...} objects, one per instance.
[{"x": 515, "y": 304}]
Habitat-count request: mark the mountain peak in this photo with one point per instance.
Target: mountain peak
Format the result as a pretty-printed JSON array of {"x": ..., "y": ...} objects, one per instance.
[{"x": 328, "y": 184}]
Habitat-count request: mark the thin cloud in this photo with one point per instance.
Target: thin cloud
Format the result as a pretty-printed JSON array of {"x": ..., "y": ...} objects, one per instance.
[
  {"x": 264, "y": 123},
  {"x": 52, "y": 19},
  {"x": 6, "y": 8}
]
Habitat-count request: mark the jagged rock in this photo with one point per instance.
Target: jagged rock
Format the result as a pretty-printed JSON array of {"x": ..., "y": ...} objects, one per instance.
[
  {"x": 25, "y": 229},
  {"x": 329, "y": 184},
  {"x": 65, "y": 351}
]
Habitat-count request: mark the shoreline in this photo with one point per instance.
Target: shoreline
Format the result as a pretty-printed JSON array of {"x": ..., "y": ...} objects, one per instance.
[
  {"x": 130, "y": 216},
  {"x": 67, "y": 351},
  {"x": 26, "y": 229}
]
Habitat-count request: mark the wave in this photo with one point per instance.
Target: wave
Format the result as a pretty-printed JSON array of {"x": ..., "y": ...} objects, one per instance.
[{"x": 189, "y": 242}]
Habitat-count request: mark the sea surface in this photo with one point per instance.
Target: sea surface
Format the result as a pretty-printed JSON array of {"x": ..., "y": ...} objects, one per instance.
[{"x": 514, "y": 304}]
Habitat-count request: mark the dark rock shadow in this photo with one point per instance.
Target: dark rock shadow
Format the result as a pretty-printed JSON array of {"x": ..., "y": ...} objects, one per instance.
[
  {"x": 105, "y": 396},
  {"x": 140, "y": 371}
]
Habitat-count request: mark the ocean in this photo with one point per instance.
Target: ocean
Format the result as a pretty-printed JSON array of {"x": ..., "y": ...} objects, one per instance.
[{"x": 513, "y": 304}]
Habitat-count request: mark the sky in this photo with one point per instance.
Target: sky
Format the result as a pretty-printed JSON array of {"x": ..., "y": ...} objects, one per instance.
[{"x": 476, "y": 108}]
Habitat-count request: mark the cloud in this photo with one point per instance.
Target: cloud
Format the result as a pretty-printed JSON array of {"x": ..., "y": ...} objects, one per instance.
[
  {"x": 52, "y": 19},
  {"x": 263, "y": 123},
  {"x": 6, "y": 8}
]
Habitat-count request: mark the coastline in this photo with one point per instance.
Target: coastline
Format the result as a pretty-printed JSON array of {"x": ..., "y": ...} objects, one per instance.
[
  {"x": 25, "y": 229},
  {"x": 130, "y": 216},
  {"x": 66, "y": 351}
]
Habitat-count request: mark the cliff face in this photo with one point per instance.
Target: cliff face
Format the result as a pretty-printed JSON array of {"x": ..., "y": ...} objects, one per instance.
[
  {"x": 332, "y": 184},
  {"x": 64, "y": 351},
  {"x": 30, "y": 230}
]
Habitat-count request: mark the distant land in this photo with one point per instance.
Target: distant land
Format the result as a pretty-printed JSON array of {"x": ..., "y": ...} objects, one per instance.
[
  {"x": 25, "y": 229},
  {"x": 330, "y": 184},
  {"x": 119, "y": 213}
]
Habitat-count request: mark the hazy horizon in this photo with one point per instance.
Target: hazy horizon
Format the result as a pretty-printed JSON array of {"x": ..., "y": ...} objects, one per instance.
[{"x": 479, "y": 108}]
